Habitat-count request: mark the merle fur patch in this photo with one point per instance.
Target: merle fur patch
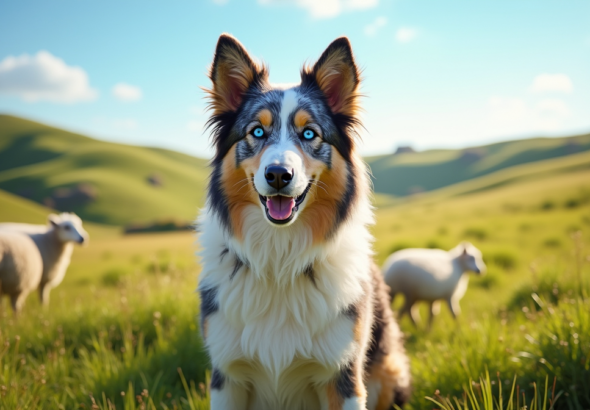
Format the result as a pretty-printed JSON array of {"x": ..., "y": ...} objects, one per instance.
[
  {"x": 239, "y": 263},
  {"x": 209, "y": 303},
  {"x": 217, "y": 380},
  {"x": 346, "y": 382},
  {"x": 351, "y": 312},
  {"x": 309, "y": 273}
]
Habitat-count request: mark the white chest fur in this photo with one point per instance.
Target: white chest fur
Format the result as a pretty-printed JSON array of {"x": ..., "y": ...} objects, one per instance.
[{"x": 272, "y": 320}]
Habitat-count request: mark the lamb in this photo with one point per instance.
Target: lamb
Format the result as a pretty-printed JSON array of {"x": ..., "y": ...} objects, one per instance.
[
  {"x": 21, "y": 267},
  {"x": 55, "y": 244},
  {"x": 432, "y": 275}
]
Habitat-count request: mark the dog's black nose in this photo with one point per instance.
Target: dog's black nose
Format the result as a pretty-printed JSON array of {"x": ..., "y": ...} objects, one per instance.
[{"x": 278, "y": 176}]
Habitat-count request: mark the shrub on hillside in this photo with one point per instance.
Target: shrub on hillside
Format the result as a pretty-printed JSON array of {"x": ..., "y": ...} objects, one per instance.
[
  {"x": 159, "y": 226},
  {"x": 504, "y": 259},
  {"x": 400, "y": 246},
  {"x": 552, "y": 243},
  {"x": 478, "y": 233},
  {"x": 113, "y": 277}
]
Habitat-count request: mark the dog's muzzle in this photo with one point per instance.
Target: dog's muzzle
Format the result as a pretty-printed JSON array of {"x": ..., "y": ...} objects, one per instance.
[{"x": 281, "y": 209}]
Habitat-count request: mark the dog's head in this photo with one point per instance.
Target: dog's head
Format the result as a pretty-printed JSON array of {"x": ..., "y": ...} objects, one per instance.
[{"x": 287, "y": 150}]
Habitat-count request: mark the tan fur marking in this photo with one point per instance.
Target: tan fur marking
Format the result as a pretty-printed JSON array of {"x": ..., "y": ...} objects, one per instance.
[
  {"x": 301, "y": 118},
  {"x": 359, "y": 388},
  {"x": 385, "y": 372},
  {"x": 238, "y": 189},
  {"x": 336, "y": 79},
  {"x": 234, "y": 73},
  {"x": 205, "y": 328},
  {"x": 265, "y": 117},
  {"x": 335, "y": 402},
  {"x": 358, "y": 330},
  {"x": 320, "y": 212}
]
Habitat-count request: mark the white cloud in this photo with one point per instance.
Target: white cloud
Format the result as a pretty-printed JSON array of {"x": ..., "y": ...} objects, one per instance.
[
  {"x": 405, "y": 34},
  {"x": 553, "y": 106},
  {"x": 44, "y": 77},
  {"x": 195, "y": 126},
  {"x": 506, "y": 110},
  {"x": 127, "y": 92},
  {"x": 372, "y": 28},
  {"x": 513, "y": 116},
  {"x": 125, "y": 124},
  {"x": 322, "y": 9},
  {"x": 552, "y": 83},
  {"x": 197, "y": 110}
]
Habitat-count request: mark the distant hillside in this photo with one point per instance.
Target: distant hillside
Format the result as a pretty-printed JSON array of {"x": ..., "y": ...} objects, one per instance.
[
  {"x": 101, "y": 181},
  {"x": 16, "y": 209},
  {"x": 406, "y": 173},
  {"x": 564, "y": 169},
  {"x": 120, "y": 184}
]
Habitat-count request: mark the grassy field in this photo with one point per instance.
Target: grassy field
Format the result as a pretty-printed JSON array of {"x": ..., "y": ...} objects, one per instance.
[{"x": 121, "y": 331}]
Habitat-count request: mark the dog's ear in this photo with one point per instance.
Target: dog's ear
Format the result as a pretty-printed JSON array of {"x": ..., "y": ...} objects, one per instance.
[
  {"x": 338, "y": 77},
  {"x": 232, "y": 73}
]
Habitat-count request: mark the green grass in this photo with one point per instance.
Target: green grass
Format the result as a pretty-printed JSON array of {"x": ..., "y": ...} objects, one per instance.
[
  {"x": 124, "y": 320},
  {"x": 114, "y": 325}
]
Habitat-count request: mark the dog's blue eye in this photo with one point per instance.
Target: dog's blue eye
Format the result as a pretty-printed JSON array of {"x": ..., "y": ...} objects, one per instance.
[
  {"x": 258, "y": 132},
  {"x": 308, "y": 134}
]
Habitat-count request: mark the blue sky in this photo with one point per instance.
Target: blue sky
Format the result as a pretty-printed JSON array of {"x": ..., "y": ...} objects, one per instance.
[{"x": 448, "y": 73}]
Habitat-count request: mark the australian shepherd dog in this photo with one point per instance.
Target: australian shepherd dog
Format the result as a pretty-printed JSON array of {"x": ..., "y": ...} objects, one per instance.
[{"x": 294, "y": 312}]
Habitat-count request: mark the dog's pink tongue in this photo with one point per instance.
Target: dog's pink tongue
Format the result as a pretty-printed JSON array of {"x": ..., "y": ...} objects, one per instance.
[{"x": 280, "y": 207}]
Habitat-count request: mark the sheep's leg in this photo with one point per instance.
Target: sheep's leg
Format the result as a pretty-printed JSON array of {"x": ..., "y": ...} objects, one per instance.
[
  {"x": 434, "y": 310},
  {"x": 454, "y": 307},
  {"x": 44, "y": 294},
  {"x": 17, "y": 301},
  {"x": 406, "y": 308},
  {"x": 415, "y": 314}
]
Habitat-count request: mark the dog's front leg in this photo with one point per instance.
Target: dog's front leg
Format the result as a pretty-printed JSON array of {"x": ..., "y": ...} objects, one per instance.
[
  {"x": 227, "y": 395},
  {"x": 347, "y": 391}
]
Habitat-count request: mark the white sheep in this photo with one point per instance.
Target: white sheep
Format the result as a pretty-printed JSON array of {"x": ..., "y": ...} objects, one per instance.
[
  {"x": 432, "y": 275},
  {"x": 55, "y": 243},
  {"x": 21, "y": 267}
]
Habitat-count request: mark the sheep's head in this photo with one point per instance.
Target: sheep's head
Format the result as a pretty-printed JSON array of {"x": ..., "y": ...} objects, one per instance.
[
  {"x": 68, "y": 228},
  {"x": 471, "y": 259}
]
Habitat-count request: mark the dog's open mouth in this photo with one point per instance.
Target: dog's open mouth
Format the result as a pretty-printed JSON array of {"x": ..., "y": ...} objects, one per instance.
[{"x": 281, "y": 209}]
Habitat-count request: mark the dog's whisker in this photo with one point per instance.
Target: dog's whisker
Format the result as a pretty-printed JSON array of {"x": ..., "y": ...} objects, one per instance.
[
  {"x": 240, "y": 181},
  {"x": 317, "y": 184},
  {"x": 243, "y": 186}
]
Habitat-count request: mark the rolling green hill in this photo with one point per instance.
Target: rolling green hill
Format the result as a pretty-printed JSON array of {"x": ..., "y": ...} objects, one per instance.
[
  {"x": 16, "y": 209},
  {"x": 112, "y": 181},
  {"x": 407, "y": 173},
  {"x": 37, "y": 160}
]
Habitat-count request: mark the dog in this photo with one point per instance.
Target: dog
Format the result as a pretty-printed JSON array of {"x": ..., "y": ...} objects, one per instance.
[{"x": 294, "y": 312}]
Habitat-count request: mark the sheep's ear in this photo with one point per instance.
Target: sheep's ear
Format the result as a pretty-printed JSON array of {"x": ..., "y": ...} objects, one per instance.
[
  {"x": 232, "y": 73},
  {"x": 338, "y": 77},
  {"x": 53, "y": 219}
]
